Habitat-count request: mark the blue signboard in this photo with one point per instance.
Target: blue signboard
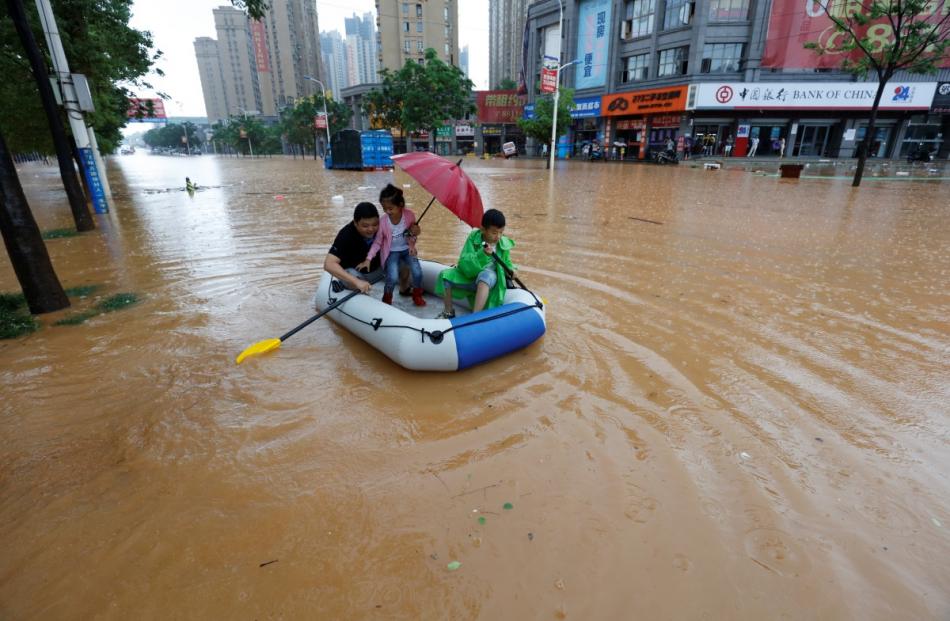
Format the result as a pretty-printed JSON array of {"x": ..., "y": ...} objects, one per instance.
[
  {"x": 593, "y": 43},
  {"x": 586, "y": 107},
  {"x": 91, "y": 173}
]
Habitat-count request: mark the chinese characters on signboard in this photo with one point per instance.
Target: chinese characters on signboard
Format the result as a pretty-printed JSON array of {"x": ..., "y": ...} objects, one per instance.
[
  {"x": 593, "y": 43},
  {"x": 817, "y": 95},
  {"x": 259, "y": 35},
  {"x": 549, "y": 75},
  {"x": 499, "y": 106},
  {"x": 793, "y": 23},
  {"x": 146, "y": 109},
  {"x": 672, "y": 99}
]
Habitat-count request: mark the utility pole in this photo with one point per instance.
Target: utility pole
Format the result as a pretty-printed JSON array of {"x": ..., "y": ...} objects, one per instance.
[
  {"x": 77, "y": 201},
  {"x": 90, "y": 162}
]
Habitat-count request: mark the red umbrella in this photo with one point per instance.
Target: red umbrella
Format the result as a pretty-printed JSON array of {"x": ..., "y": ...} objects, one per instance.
[{"x": 446, "y": 182}]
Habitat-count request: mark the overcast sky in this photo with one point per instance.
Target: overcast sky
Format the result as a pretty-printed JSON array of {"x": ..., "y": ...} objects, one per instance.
[{"x": 175, "y": 24}]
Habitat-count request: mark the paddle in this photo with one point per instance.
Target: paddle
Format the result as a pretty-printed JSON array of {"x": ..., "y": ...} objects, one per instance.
[
  {"x": 267, "y": 345},
  {"x": 511, "y": 274}
]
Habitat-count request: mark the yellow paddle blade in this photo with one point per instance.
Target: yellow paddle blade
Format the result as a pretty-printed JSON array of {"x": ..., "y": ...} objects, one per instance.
[{"x": 261, "y": 347}]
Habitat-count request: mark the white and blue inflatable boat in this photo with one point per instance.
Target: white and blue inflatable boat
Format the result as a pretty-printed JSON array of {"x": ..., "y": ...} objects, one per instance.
[{"x": 409, "y": 336}]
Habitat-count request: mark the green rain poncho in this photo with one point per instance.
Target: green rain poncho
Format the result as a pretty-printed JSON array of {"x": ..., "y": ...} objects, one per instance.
[{"x": 473, "y": 260}]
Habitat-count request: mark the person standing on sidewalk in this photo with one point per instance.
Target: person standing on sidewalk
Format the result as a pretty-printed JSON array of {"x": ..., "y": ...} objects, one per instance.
[{"x": 754, "y": 147}]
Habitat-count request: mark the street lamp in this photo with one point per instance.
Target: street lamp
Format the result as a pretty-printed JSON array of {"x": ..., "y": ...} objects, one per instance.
[
  {"x": 325, "y": 115},
  {"x": 557, "y": 82},
  {"x": 250, "y": 147},
  {"x": 557, "y": 97}
]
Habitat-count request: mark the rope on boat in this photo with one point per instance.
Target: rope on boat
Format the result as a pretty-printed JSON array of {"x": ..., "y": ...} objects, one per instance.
[{"x": 435, "y": 336}]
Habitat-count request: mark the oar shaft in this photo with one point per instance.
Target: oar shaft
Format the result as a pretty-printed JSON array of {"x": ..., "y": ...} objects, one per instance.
[{"x": 318, "y": 316}]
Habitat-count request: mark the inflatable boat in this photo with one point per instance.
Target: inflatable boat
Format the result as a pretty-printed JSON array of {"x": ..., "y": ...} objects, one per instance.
[{"x": 410, "y": 337}]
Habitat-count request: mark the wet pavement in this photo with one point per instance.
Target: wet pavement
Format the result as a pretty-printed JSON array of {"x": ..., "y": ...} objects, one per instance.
[{"x": 739, "y": 409}]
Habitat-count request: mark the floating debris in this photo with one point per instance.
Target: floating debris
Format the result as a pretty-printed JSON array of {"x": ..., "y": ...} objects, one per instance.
[
  {"x": 453, "y": 565},
  {"x": 59, "y": 233},
  {"x": 507, "y": 506}
]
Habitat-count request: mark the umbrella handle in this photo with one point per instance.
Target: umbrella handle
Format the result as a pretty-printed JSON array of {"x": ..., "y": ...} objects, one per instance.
[{"x": 419, "y": 219}]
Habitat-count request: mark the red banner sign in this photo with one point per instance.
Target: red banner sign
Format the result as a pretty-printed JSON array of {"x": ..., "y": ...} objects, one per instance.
[
  {"x": 793, "y": 23},
  {"x": 147, "y": 108},
  {"x": 259, "y": 35},
  {"x": 499, "y": 106},
  {"x": 548, "y": 80},
  {"x": 320, "y": 121}
]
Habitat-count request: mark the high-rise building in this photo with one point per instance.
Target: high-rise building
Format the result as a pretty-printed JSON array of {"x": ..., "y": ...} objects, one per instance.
[
  {"x": 212, "y": 78},
  {"x": 406, "y": 29},
  {"x": 506, "y": 25},
  {"x": 236, "y": 61},
  {"x": 293, "y": 51},
  {"x": 361, "y": 46},
  {"x": 334, "y": 61},
  {"x": 463, "y": 61},
  {"x": 261, "y": 64}
]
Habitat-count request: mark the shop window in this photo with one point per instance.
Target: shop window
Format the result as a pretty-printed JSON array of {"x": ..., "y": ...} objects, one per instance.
[
  {"x": 638, "y": 18},
  {"x": 636, "y": 68},
  {"x": 673, "y": 61},
  {"x": 728, "y": 10},
  {"x": 678, "y": 13},
  {"x": 722, "y": 57}
]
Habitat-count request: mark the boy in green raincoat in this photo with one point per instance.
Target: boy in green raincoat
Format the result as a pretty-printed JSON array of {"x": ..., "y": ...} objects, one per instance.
[{"x": 478, "y": 276}]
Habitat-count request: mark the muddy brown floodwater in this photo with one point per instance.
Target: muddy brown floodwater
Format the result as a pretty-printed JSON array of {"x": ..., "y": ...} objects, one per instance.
[{"x": 739, "y": 410}]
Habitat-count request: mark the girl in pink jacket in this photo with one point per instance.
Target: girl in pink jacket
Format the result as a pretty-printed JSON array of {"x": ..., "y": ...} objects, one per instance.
[{"x": 396, "y": 244}]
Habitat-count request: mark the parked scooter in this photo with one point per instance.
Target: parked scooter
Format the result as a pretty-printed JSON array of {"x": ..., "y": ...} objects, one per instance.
[
  {"x": 921, "y": 154},
  {"x": 665, "y": 157}
]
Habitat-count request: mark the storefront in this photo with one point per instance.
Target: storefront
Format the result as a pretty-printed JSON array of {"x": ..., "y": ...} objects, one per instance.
[
  {"x": 498, "y": 113},
  {"x": 584, "y": 128},
  {"x": 639, "y": 122},
  {"x": 810, "y": 119}
]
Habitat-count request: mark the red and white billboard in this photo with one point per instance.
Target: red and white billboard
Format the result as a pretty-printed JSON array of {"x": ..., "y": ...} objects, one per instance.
[
  {"x": 320, "y": 121},
  {"x": 549, "y": 75},
  {"x": 146, "y": 109},
  {"x": 793, "y": 23},
  {"x": 259, "y": 35},
  {"x": 499, "y": 106}
]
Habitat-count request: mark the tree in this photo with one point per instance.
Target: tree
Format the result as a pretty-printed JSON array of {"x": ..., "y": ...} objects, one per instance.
[
  {"x": 24, "y": 243},
  {"x": 100, "y": 45},
  {"x": 297, "y": 122},
  {"x": 420, "y": 96},
  {"x": 77, "y": 201},
  {"x": 170, "y": 136},
  {"x": 539, "y": 127},
  {"x": 883, "y": 37},
  {"x": 506, "y": 85}
]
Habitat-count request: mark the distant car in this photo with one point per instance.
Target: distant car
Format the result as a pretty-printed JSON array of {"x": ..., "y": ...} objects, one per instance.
[
  {"x": 509, "y": 149},
  {"x": 126, "y": 150}
]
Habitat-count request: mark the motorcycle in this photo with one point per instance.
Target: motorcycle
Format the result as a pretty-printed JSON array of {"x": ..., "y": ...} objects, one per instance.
[
  {"x": 665, "y": 157},
  {"x": 922, "y": 154}
]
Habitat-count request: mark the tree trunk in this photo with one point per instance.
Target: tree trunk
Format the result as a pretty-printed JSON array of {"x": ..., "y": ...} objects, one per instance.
[
  {"x": 77, "y": 202},
  {"x": 25, "y": 244},
  {"x": 868, "y": 135}
]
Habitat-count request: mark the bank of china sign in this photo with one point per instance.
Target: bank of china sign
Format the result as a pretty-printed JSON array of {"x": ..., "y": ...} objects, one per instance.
[{"x": 809, "y": 95}]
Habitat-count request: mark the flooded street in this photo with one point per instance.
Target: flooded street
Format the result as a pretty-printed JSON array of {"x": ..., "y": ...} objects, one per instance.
[{"x": 739, "y": 410}]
